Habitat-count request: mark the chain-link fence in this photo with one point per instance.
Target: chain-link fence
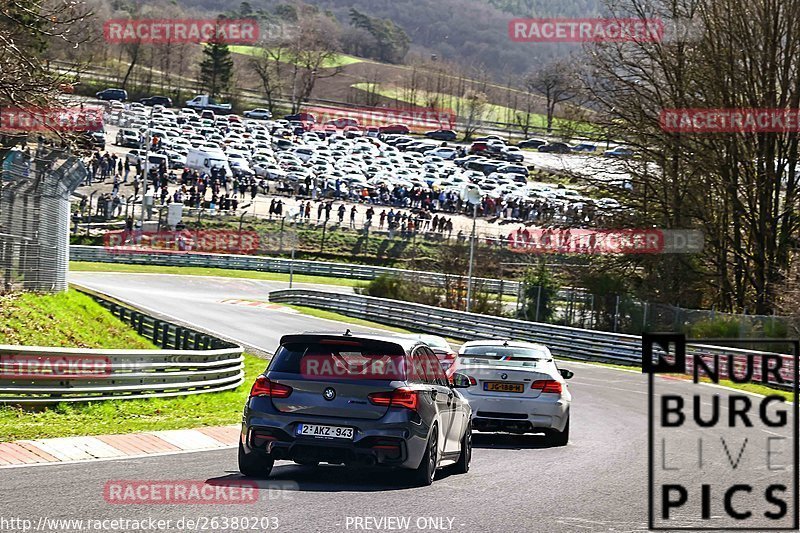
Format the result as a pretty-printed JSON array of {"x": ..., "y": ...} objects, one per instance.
[
  {"x": 35, "y": 186},
  {"x": 624, "y": 314}
]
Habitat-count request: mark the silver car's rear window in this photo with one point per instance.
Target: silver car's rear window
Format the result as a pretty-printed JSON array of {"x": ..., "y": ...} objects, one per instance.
[{"x": 505, "y": 355}]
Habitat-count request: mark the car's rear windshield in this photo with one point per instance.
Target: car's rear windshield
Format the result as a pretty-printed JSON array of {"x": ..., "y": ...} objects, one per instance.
[
  {"x": 504, "y": 355},
  {"x": 336, "y": 360}
]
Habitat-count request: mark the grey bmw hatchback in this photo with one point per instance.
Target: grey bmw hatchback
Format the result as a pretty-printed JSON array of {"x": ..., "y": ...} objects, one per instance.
[{"x": 356, "y": 399}]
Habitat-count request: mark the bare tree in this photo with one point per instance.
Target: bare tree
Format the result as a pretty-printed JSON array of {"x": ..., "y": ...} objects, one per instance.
[
  {"x": 370, "y": 95},
  {"x": 270, "y": 64},
  {"x": 557, "y": 83},
  {"x": 27, "y": 28},
  {"x": 475, "y": 110},
  {"x": 313, "y": 52},
  {"x": 740, "y": 188}
]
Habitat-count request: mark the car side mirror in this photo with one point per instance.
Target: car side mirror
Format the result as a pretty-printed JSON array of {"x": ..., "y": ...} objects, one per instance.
[
  {"x": 460, "y": 381},
  {"x": 566, "y": 374}
]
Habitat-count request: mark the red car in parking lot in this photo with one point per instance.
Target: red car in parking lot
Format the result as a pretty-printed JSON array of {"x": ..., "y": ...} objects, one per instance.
[{"x": 400, "y": 129}]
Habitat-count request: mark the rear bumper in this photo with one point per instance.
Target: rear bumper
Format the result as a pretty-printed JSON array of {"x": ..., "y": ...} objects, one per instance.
[
  {"x": 518, "y": 416},
  {"x": 392, "y": 441}
]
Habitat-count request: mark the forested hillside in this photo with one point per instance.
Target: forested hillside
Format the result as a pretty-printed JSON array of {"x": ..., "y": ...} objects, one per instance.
[{"x": 474, "y": 32}]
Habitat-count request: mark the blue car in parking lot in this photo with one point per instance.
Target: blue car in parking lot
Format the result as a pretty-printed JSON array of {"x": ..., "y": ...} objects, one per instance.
[{"x": 356, "y": 399}]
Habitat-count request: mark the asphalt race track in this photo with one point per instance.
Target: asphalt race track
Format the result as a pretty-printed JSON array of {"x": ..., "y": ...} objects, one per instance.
[{"x": 516, "y": 483}]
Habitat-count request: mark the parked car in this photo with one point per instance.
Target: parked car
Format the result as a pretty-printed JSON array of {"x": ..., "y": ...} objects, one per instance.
[
  {"x": 92, "y": 140},
  {"x": 134, "y": 156},
  {"x": 555, "y": 148},
  {"x": 514, "y": 169},
  {"x": 584, "y": 147},
  {"x": 518, "y": 388},
  {"x": 342, "y": 122},
  {"x": 619, "y": 151},
  {"x": 258, "y": 113},
  {"x": 356, "y": 399},
  {"x": 441, "y": 135},
  {"x": 206, "y": 102},
  {"x": 445, "y": 152},
  {"x": 462, "y": 161},
  {"x": 400, "y": 129},
  {"x": 113, "y": 94},
  {"x": 531, "y": 143},
  {"x": 478, "y": 147},
  {"x": 128, "y": 138},
  {"x": 513, "y": 154},
  {"x": 157, "y": 100},
  {"x": 351, "y": 132},
  {"x": 303, "y": 117}
]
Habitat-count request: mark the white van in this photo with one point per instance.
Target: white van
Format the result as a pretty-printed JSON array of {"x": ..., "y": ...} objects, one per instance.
[{"x": 205, "y": 160}]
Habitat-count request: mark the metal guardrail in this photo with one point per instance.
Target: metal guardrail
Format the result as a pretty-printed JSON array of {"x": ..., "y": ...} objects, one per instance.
[
  {"x": 563, "y": 341},
  {"x": 276, "y": 264},
  {"x": 191, "y": 362}
]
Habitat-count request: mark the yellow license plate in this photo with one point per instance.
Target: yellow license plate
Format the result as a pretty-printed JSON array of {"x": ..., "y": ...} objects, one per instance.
[{"x": 502, "y": 386}]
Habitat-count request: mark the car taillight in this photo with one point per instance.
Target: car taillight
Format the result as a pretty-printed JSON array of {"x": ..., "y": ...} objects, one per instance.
[
  {"x": 397, "y": 398},
  {"x": 547, "y": 385},
  {"x": 472, "y": 381},
  {"x": 264, "y": 387}
]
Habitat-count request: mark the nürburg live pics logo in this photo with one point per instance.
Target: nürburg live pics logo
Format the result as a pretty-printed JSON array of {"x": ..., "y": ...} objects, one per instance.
[{"x": 721, "y": 458}]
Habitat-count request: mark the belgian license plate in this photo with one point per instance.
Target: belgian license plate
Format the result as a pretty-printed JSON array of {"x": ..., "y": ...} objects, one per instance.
[
  {"x": 502, "y": 386},
  {"x": 333, "y": 432}
]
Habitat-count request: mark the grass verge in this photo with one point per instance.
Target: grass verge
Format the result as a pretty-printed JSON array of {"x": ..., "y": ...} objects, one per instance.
[
  {"x": 69, "y": 319},
  {"x": 73, "y": 319},
  {"x": 80, "y": 266},
  {"x": 330, "y": 315},
  {"x": 336, "y": 60},
  {"x": 130, "y": 416},
  {"x": 492, "y": 113}
]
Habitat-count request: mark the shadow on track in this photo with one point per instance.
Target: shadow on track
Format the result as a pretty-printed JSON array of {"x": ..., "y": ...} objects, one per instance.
[
  {"x": 287, "y": 476},
  {"x": 510, "y": 441}
]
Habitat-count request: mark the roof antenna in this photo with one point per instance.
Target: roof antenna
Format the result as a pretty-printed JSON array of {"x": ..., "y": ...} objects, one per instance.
[{"x": 347, "y": 333}]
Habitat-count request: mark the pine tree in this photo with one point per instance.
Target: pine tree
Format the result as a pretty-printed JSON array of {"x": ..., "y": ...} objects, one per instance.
[{"x": 216, "y": 68}]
